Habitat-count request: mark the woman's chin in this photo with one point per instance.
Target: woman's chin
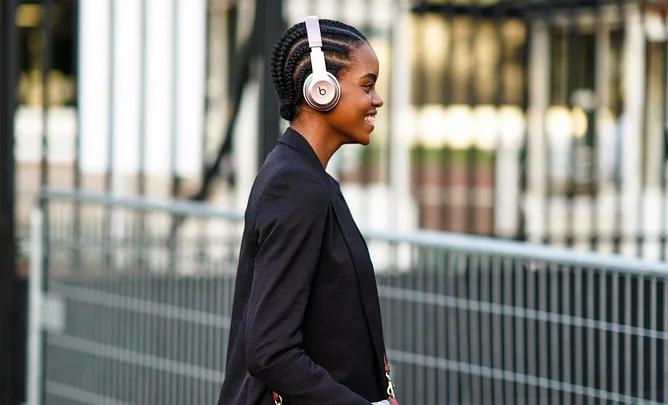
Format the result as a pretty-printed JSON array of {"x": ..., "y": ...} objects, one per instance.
[
  {"x": 364, "y": 139},
  {"x": 365, "y": 134}
]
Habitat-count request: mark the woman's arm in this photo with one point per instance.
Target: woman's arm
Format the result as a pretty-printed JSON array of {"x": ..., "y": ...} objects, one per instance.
[{"x": 290, "y": 226}]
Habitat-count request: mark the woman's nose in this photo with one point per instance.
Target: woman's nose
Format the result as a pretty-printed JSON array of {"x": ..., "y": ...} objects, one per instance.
[{"x": 378, "y": 102}]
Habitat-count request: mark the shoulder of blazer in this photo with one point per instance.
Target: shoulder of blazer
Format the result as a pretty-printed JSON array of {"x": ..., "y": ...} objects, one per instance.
[
  {"x": 288, "y": 163},
  {"x": 293, "y": 181}
]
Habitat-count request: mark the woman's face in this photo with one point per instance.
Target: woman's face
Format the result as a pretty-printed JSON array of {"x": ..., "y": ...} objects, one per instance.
[{"x": 352, "y": 120}]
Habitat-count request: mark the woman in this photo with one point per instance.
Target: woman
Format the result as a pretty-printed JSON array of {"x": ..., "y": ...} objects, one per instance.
[{"x": 306, "y": 322}]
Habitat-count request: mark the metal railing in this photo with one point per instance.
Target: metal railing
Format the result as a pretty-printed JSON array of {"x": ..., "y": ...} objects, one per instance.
[{"x": 467, "y": 319}]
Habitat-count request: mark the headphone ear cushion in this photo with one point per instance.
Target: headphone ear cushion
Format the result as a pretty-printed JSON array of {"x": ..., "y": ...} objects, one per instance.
[{"x": 323, "y": 94}]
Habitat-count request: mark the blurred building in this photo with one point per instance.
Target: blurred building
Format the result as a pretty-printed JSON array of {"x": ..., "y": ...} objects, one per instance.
[{"x": 542, "y": 121}]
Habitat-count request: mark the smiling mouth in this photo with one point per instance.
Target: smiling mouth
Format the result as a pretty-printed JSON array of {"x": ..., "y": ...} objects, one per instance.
[{"x": 370, "y": 119}]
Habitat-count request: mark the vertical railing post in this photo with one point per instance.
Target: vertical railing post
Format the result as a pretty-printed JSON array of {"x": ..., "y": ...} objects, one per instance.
[
  {"x": 34, "y": 386},
  {"x": 269, "y": 117}
]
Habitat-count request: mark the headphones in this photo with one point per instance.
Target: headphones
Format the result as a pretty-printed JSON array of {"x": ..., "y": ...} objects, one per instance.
[{"x": 321, "y": 89}]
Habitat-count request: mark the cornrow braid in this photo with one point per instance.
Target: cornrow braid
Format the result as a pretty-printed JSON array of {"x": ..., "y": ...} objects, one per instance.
[{"x": 291, "y": 62}]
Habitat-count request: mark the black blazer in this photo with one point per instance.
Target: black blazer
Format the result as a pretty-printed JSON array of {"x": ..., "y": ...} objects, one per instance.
[{"x": 306, "y": 320}]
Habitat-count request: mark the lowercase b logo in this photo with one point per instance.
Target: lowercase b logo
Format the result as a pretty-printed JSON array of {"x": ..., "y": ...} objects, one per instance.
[{"x": 322, "y": 91}]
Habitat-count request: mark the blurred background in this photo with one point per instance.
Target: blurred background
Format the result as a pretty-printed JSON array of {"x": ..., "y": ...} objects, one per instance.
[{"x": 539, "y": 122}]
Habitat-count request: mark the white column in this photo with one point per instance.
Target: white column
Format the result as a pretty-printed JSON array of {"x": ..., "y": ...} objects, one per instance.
[
  {"x": 95, "y": 65},
  {"x": 192, "y": 50},
  {"x": 400, "y": 167},
  {"x": 653, "y": 158},
  {"x": 632, "y": 123},
  {"x": 93, "y": 88},
  {"x": 539, "y": 79},
  {"x": 510, "y": 132},
  {"x": 602, "y": 90},
  {"x": 403, "y": 214},
  {"x": 605, "y": 138}
]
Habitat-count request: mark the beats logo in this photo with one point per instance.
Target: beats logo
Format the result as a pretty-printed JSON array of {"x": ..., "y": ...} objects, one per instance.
[{"x": 322, "y": 91}]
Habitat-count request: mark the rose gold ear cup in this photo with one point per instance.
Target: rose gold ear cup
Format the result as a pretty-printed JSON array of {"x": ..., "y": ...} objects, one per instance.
[{"x": 322, "y": 95}]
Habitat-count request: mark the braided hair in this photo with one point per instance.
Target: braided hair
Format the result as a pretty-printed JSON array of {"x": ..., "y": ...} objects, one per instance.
[{"x": 291, "y": 62}]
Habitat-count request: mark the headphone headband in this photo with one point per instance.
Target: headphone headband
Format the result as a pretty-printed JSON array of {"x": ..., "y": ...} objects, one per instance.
[
  {"x": 315, "y": 42},
  {"x": 313, "y": 31}
]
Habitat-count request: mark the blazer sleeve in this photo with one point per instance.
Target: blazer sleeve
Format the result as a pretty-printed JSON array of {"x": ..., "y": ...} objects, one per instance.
[{"x": 290, "y": 227}]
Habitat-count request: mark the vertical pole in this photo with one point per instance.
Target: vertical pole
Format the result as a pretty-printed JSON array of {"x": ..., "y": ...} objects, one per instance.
[
  {"x": 269, "y": 117},
  {"x": 203, "y": 242},
  {"x": 10, "y": 310},
  {"x": 143, "y": 75},
  {"x": 602, "y": 90},
  {"x": 36, "y": 291},
  {"x": 663, "y": 236},
  {"x": 174, "y": 133},
  {"x": 473, "y": 153},
  {"x": 419, "y": 157},
  {"x": 111, "y": 145},
  {"x": 47, "y": 56},
  {"x": 618, "y": 44},
  {"x": 46, "y": 70},
  {"x": 571, "y": 78},
  {"x": 634, "y": 104},
  {"x": 77, "y": 225},
  {"x": 141, "y": 180},
  {"x": 111, "y": 179},
  {"x": 537, "y": 202},
  {"x": 445, "y": 183},
  {"x": 174, "y": 157},
  {"x": 400, "y": 157}
]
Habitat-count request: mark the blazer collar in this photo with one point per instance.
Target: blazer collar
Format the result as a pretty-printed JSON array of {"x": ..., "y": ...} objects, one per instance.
[{"x": 296, "y": 141}]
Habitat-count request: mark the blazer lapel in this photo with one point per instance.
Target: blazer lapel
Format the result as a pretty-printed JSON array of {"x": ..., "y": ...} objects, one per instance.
[{"x": 365, "y": 274}]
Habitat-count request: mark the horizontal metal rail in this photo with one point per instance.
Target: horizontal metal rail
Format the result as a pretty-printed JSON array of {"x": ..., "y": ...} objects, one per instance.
[{"x": 469, "y": 244}]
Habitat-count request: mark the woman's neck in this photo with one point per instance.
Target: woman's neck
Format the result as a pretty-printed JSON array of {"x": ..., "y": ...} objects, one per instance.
[{"x": 319, "y": 137}]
